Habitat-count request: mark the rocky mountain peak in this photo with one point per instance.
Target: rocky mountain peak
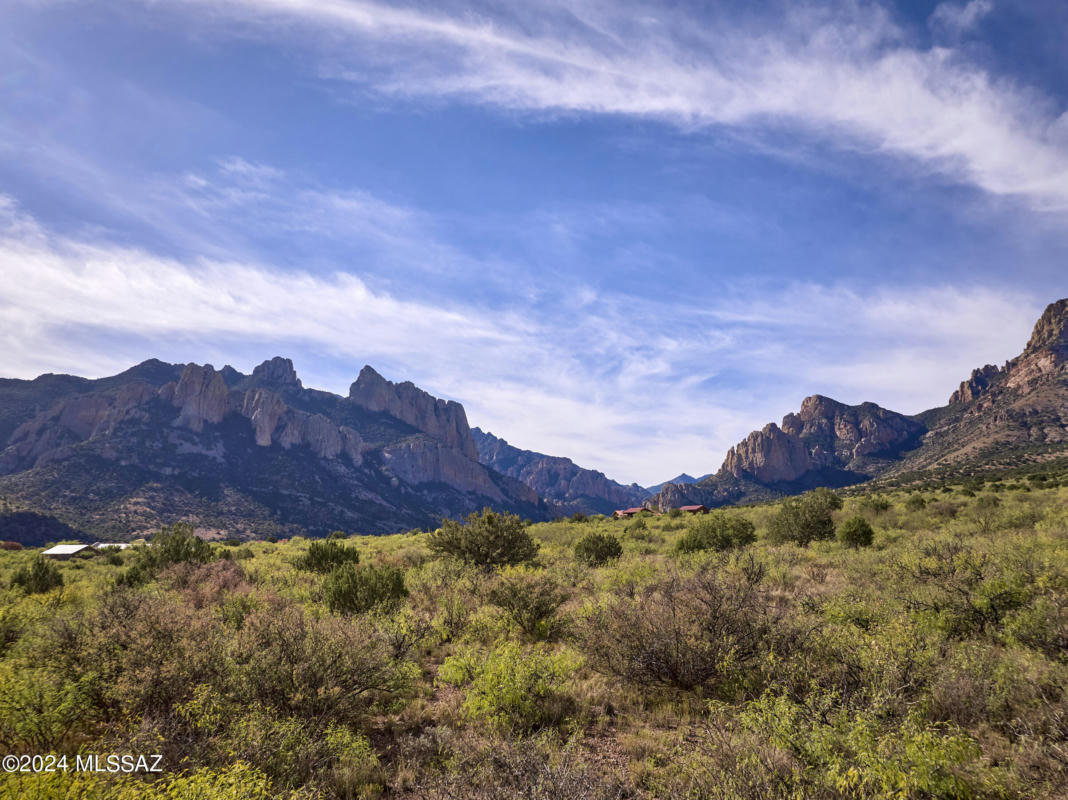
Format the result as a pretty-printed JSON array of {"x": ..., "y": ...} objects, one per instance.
[
  {"x": 277, "y": 372},
  {"x": 443, "y": 419},
  {"x": 1051, "y": 330}
]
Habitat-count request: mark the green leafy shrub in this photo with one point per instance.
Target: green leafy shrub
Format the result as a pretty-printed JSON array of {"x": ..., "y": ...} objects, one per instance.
[
  {"x": 177, "y": 544},
  {"x": 717, "y": 531},
  {"x": 916, "y": 502},
  {"x": 855, "y": 532},
  {"x": 531, "y": 600},
  {"x": 41, "y": 576},
  {"x": 486, "y": 539},
  {"x": 352, "y": 589},
  {"x": 326, "y": 555},
  {"x": 806, "y": 518},
  {"x": 596, "y": 549},
  {"x": 873, "y": 503},
  {"x": 516, "y": 687}
]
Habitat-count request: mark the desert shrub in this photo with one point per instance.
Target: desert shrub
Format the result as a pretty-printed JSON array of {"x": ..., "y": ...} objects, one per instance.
[
  {"x": 354, "y": 589},
  {"x": 806, "y": 518},
  {"x": 337, "y": 535},
  {"x": 916, "y": 502},
  {"x": 41, "y": 576},
  {"x": 10, "y": 546},
  {"x": 38, "y": 712},
  {"x": 314, "y": 669},
  {"x": 519, "y": 688},
  {"x": 176, "y": 544},
  {"x": 985, "y": 512},
  {"x": 446, "y": 592},
  {"x": 578, "y": 516},
  {"x": 327, "y": 555},
  {"x": 483, "y": 767},
  {"x": 717, "y": 531},
  {"x": 854, "y": 754},
  {"x": 531, "y": 600},
  {"x": 134, "y": 653},
  {"x": 855, "y": 532},
  {"x": 674, "y": 513},
  {"x": 1042, "y": 625},
  {"x": 636, "y": 526},
  {"x": 966, "y": 590},
  {"x": 596, "y": 549},
  {"x": 355, "y": 771},
  {"x": 873, "y": 503},
  {"x": 486, "y": 539},
  {"x": 708, "y": 631}
]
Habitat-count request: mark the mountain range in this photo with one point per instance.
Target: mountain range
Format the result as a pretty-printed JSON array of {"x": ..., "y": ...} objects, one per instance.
[
  {"x": 998, "y": 417},
  {"x": 260, "y": 454}
]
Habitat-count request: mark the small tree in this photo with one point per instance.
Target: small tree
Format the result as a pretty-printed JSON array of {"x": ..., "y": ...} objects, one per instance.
[
  {"x": 598, "y": 548},
  {"x": 326, "y": 555},
  {"x": 717, "y": 532},
  {"x": 855, "y": 532},
  {"x": 487, "y": 539},
  {"x": 352, "y": 589},
  {"x": 38, "y": 578},
  {"x": 806, "y": 518}
]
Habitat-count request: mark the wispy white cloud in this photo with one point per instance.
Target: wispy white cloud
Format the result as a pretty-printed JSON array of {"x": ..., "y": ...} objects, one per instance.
[
  {"x": 639, "y": 389},
  {"x": 845, "y": 73},
  {"x": 956, "y": 19}
]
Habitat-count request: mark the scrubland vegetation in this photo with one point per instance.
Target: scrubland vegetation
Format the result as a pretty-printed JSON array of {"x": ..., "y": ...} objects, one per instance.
[{"x": 910, "y": 644}]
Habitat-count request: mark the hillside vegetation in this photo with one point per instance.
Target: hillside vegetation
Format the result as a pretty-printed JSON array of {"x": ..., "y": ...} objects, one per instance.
[{"x": 915, "y": 647}]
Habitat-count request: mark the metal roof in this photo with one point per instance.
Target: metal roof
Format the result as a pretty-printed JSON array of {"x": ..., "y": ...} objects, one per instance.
[{"x": 65, "y": 549}]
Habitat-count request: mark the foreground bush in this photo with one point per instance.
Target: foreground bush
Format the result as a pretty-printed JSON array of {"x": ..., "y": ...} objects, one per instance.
[
  {"x": 806, "y": 518},
  {"x": 717, "y": 532},
  {"x": 352, "y": 589},
  {"x": 855, "y": 532},
  {"x": 513, "y": 686},
  {"x": 596, "y": 549},
  {"x": 327, "y": 555},
  {"x": 531, "y": 600},
  {"x": 486, "y": 539},
  {"x": 177, "y": 544},
  {"x": 39, "y": 577},
  {"x": 709, "y": 631}
]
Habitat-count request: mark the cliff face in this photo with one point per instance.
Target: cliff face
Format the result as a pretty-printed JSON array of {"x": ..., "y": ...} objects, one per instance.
[
  {"x": 257, "y": 450},
  {"x": 992, "y": 418},
  {"x": 1000, "y": 412},
  {"x": 557, "y": 479},
  {"x": 445, "y": 420}
]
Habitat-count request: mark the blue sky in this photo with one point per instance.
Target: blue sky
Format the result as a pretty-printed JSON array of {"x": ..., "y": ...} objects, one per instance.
[{"x": 624, "y": 232}]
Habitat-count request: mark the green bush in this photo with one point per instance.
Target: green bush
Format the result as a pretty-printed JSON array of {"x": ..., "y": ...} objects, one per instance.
[
  {"x": 717, "y": 532},
  {"x": 176, "y": 544},
  {"x": 874, "y": 503},
  {"x": 41, "y": 576},
  {"x": 327, "y": 555},
  {"x": 353, "y": 589},
  {"x": 855, "y": 532},
  {"x": 531, "y": 600},
  {"x": 806, "y": 518},
  {"x": 513, "y": 686},
  {"x": 486, "y": 539},
  {"x": 916, "y": 502},
  {"x": 598, "y": 548}
]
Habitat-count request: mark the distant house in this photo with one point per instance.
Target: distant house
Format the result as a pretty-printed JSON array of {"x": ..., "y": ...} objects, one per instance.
[
  {"x": 694, "y": 509},
  {"x": 624, "y": 513},
  {"x": 61, "y": 552},
  {"x": 110, "y": 545}
]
